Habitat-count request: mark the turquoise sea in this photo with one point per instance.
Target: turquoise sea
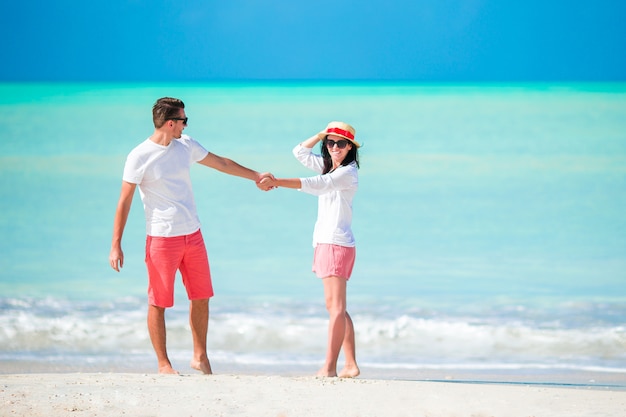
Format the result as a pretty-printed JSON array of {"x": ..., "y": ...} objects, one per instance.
[{"x": 490, "y": 225}]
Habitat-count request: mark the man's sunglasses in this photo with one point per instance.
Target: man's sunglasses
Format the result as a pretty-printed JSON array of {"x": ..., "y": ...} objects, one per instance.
[
  {"x": 340, "y": 143},
  {"x": 180, "y": 118}
]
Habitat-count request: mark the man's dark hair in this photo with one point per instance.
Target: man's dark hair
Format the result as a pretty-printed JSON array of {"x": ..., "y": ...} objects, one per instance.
[{"x": 165, "y": 109}]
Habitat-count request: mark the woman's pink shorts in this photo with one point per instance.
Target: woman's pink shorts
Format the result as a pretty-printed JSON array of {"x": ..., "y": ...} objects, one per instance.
[
  {"x": 166, "y": 255},
  {"x": 333, "y": 261}
]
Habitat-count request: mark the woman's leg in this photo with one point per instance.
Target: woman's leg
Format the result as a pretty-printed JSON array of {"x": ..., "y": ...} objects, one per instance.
[
  {"x": 335, "y": 295},
  {"x": 351, "y": 369}
]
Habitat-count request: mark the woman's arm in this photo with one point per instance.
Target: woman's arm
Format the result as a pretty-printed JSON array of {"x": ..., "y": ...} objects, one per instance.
[
  {"x": 343, "y": 178},
  {"x": 306, "y": 158},
  {"x": 304, "y": 153},
  {"x": 294, "y": 183},
  {"x": 313, "y": 140}
]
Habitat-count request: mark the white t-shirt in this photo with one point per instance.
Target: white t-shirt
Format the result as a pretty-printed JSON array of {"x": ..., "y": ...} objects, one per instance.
[
  {"x": 163, "y": 176},
  {"x": 335, "y": 191}
]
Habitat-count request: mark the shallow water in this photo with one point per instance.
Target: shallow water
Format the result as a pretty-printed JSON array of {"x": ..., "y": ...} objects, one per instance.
[{"x": 489, "y": 224}]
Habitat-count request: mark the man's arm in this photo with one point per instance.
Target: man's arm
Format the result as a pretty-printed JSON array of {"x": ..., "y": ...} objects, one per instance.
[
  {"x": 116, "y": 256},
  {"x": 228, "y": 166}
]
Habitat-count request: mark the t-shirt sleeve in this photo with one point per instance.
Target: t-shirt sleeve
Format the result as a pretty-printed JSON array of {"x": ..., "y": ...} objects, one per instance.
[
  {"x": 198, "y": 152},
  {"x": 133, "y": 169}
]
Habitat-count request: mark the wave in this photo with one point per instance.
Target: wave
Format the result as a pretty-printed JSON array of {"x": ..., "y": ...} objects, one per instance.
[{"x": 295, "y": 333}]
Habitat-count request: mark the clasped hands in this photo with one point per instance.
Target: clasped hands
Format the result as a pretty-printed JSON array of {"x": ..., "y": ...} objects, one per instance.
[{"x": 266, "y": 182}]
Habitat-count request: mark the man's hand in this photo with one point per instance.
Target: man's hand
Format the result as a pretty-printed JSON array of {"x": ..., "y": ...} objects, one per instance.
[
  {"x": 265, "y": 181},
  {"x": 116, "y": 258}
]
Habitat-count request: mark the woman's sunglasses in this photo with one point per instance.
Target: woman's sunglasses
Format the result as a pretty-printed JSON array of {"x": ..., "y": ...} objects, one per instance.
[{"x": 340, "y": 143}]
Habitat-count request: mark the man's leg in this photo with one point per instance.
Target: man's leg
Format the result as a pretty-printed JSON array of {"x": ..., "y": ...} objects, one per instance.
[
  {"x": 199, "y": 322},
  {"x": 156, "y": 328}
]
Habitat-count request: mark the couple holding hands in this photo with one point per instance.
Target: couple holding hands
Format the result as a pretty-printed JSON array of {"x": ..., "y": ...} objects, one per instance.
[{"x": 160, "y": 166}]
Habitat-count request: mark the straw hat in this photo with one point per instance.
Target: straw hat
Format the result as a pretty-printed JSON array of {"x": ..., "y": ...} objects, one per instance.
[{"x": 341, "y": 129}]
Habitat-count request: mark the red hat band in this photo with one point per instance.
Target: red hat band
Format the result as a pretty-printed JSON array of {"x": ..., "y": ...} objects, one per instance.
[{"x": 341, "y": 132}]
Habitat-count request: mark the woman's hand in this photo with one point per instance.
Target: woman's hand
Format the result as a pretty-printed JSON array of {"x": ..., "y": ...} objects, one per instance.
[{"x": 267, "y": 182}]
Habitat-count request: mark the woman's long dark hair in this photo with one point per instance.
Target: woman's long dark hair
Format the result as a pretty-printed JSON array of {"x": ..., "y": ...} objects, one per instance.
[{"x": 352, "y": 155}]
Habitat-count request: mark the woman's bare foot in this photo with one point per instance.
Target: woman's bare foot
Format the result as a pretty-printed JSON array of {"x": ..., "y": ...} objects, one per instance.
[
  {"x": 203, "y": 366},
  {"x": 350, "y": 372}
]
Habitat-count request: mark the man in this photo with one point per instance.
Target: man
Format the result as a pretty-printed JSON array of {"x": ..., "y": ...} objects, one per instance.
[{"x": 160, "y": 166}]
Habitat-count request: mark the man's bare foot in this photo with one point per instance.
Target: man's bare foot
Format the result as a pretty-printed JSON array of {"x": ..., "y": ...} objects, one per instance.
[
  {"x": 203, "y": 366},
  {"x": 350, "y": 372},
  {"x": 326, "y": 373},
  {"x": 167, "y": 369}
]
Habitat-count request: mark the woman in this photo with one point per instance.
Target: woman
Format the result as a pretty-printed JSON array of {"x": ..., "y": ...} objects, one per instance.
[{"x": 332, "y": 237}]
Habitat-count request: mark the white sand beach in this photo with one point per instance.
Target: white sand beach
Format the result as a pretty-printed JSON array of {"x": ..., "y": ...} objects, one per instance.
[{"x": 137, "y": 395}]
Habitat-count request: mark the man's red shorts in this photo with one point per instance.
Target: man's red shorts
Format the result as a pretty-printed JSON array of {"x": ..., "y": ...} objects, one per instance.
[{"x": 166, "y": 255}]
